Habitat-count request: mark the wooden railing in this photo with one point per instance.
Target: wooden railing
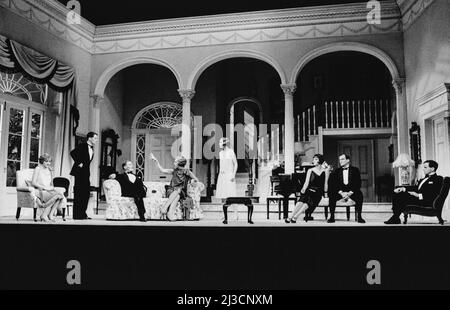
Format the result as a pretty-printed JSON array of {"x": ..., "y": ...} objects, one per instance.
[{"x": 343, "y": 115}]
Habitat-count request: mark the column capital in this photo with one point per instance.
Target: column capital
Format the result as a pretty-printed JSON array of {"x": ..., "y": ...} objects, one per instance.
[
  {"x": 399, "y": 84},
  {"x": 186, "y": 94},
  {"x": 96, "y": 100},
  {"x": 289, "y": 89}
]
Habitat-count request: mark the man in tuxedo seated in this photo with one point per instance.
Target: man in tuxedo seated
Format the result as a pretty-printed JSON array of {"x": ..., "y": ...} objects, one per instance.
[
  {"x": 133, "y": 187},
  {"x": 422, "y": 194},
  {"x": 345, "y": 184}
]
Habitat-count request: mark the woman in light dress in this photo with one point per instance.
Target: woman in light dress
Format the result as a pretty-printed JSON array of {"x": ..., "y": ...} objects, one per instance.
[
  {"x": 226, "y": 183},
  {"x": 50, "y": 198}
]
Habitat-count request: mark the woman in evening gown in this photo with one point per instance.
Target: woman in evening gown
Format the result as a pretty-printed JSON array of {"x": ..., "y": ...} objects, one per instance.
[{"x": 315, "y": 187}]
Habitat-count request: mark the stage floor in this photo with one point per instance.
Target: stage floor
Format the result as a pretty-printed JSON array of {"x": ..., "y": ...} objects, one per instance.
[{"x": 99, "y": 220}]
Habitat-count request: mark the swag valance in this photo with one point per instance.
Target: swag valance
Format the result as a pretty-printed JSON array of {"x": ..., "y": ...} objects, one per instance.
[{"x": 14, "y": 57}]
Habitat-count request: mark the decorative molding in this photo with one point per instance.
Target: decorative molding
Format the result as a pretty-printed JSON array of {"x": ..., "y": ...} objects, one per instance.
[
  {"x": 186, "y": 94},
  {"x": 273, "y": 25},
  {"x": 96, "y": 100},
  {"x": 399, "y": 85},
  {"x": 435, "y": 102},
  {"x": 411, "y": 10},
  {"x": 50, "y": 15},
  {"x": 289, "y": 89}
]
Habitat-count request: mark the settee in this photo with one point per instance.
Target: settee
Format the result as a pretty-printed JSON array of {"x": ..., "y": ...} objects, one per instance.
[{"x": 123, "y": 208}]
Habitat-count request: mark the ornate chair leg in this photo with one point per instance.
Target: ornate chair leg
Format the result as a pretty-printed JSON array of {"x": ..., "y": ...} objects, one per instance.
[
  {"x": 405, "y": 216},
  {"x": 441, "y": 221},
  {"x": 268, "y": 203},
  {"x": 34, "y": 214},
  {"x": 18, "y": 213},
  {"x": 348, "y": 213}
]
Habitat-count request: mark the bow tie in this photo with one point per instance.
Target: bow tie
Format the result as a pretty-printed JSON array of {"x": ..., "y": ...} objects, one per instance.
[
  {"x": 91, "y": 146},
  {"x": 345, "y": 169},
  {"x": 130, "y": 173}
]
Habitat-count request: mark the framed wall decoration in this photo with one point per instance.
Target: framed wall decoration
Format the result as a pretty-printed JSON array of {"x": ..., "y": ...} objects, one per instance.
[{"x": 414, "y": 138}]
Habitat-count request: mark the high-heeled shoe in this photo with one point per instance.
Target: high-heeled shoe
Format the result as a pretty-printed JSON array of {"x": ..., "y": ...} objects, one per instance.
[
  {"x": 287, "y": 221},
  {"x": 45, "y": 219},
  {"x": 293, "y": 221}
]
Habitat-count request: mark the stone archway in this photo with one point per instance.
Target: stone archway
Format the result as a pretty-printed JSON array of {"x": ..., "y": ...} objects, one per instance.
[{"x": 213, "y": 59}]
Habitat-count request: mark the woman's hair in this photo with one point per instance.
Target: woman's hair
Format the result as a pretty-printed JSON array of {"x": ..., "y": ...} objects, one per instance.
[
  {"x": 181, "y": 161},
  {"x": 320, "y": 158},
  {"x": 45, "y": 158}
]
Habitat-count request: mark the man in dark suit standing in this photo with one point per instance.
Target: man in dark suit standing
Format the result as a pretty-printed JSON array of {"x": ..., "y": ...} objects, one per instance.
[
  {"x": 133, "y": 187},
  {"x": 345, "y": 184},
  {"x": 422, "y": 194},
  {"x": 82, "y": 156}
]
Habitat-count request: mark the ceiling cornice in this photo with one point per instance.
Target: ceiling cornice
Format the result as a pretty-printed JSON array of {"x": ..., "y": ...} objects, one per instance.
[{"x": 271, "y": 25}]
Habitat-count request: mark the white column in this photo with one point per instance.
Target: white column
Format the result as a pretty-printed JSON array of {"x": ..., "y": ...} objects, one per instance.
[
  {"x": 94, "y": 126},
  {"x": 186, "y": 95},
  {"x": 402, "y": 115},
  {"x": 289, "y": 130}
]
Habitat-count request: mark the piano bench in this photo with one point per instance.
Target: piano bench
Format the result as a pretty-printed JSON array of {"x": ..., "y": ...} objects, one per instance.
[{"x": 247, "y": 201}]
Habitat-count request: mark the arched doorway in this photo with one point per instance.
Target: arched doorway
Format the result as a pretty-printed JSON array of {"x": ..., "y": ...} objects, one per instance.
[
  {"x": 152, "y": 133},
  {"x": 345, "y": 104}
]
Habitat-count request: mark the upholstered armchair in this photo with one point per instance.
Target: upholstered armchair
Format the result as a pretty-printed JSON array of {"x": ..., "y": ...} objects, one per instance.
[{"x": 26, "y": 194}]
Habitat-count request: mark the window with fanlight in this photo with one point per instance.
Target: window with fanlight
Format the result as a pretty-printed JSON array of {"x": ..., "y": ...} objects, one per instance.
[{"x": 21, "y": 124}]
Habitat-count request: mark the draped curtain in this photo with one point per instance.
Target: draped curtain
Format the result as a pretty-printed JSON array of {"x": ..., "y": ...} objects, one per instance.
[{"x": 42, "y": 69}]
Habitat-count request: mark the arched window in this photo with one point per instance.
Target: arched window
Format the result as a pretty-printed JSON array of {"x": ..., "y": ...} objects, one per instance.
[
  {"x": 164, "y": 115},
  {"x": 21, "y": 124},
  {"x": 18, "y": 85}
]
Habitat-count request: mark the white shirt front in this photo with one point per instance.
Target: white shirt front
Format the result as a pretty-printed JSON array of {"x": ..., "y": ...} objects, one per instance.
[
  {"x": 131, "y": 177},
  {"x": 91, "y": 151},
  {"x": 345, "y": 176}
]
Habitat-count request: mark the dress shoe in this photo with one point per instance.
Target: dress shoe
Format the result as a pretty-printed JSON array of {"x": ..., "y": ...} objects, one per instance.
[
  {"x": 361, "y": 220},
  {"x": 143, "y": 219},
  {"x": 331, "y": 220},
  {"x": 251, "y": 222},
  {"x": 287, "y": 221},
  {"x": 225, "y": 222},
  {"x": 393, "y": 221}
]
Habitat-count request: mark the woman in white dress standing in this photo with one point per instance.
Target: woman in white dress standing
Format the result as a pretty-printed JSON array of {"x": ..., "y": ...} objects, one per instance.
[{"x": 226, "y": 183}]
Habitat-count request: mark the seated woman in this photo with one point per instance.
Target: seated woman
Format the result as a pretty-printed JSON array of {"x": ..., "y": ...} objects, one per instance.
[
  {"x": 177, "y": 189},
  {"x": 51, "y": 199},
  {"x": 316, "y": 186}
]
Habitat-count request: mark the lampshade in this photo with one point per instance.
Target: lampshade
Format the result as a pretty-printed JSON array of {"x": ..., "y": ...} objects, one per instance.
[
  {"x": 298, "y": 148},
  {"x": 403, "y": 160}
]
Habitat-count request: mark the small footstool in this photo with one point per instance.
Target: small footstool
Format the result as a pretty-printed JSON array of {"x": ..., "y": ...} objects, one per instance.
[{"x": 238, "y": 201}]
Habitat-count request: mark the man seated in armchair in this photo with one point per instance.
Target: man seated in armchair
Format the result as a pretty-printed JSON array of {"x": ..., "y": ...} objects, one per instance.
[
  {"x": 422, "y": 194},
  {"x": 133, "y": 187}
]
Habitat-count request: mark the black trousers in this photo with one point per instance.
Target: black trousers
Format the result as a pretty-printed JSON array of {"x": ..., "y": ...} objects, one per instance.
[
  {"x": 139, "y": 201},
  {"x": 401, "y": 200},
  {"x": 81, "y": 194},
  {"x": 357, "y": 197}
]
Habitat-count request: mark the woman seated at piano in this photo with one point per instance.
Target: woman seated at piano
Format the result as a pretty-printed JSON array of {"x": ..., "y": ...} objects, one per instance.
[{"x": 314, "y": 188}]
